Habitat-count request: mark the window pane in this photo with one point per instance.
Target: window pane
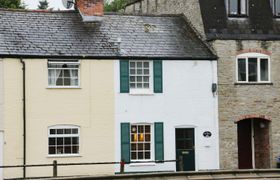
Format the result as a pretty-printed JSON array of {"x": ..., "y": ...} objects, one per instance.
[
  {"x": 75, "y": 149},
  {"x": 51, "y": 150},
  {"x": 253, "y": 69},
  {"x": 140, "y": 146},
  {"x": 67, "y": 149},
  {"x": 74, "y": 131},
  {"x": 233, "y": 9},
  {"x": 147, "y": 155},
  {"x": 59, "y": 131},
  {"x": 133, "y": 147},
  {"x": 241, "y": 69},
  {"x": 67, "y": 131},
  {"x": 67, "y": 82},
  {"x": 146, "y": 85},
  {"x": 132, "y": 64},
  {"x": 147, "y": 137},
  {"x": 139, "y": 64},
  {"x": 132, "y": 71},
  {"x": 52, "y": 141},
  {"x": 140, "y": 129},
  {"x": 243, "y": 7},
  {"x": 277, "y": 7},
  {"x": 59, "y": 82},
  {"x": 264, "y": 69},
  {"x": 59, "y": 150},
  {"x": 59, "y": 141},
  {"x": 67, "y": 141},
  {"x": 52, "y": 131},
  {"x": 133, "y": 156},
  {"x": 75, "y": 140},
  {"x": 140, "y": 155},
  {"x": 139, "y": 71},
  {"x": 147, "y": 146}
]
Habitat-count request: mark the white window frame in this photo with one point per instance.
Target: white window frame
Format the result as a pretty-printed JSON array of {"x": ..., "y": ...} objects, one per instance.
[
  {"x": 60, "y": 61},
  {"x": 258, "y": 56},
  {"x": 64, "y": 135},
  {"x": 139, "y": 91},
  {"x": 237, "y": 15},
  {"x": 151, "y": 143}
]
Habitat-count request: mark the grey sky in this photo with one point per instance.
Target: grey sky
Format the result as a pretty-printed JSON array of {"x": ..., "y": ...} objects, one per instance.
[
  {"x": 33, "y": 4},
  {"x": 56, "y": 4}
]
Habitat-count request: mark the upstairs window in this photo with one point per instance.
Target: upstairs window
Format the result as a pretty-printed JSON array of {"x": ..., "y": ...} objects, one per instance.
[
  {"x": 141, "y": 76},
  {"x": 253, "y": 68},
  {"x": 276, "y": 7},
  {"x": 63, "y": 73},
  {"x": 237, "y": 8}
]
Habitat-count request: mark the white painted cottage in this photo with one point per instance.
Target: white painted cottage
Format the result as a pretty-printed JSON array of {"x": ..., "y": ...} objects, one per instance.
[{"x": 166, "y": 105}]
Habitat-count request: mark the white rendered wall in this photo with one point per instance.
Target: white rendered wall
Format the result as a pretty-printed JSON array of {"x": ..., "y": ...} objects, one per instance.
[{"x": 186, "y": 101}]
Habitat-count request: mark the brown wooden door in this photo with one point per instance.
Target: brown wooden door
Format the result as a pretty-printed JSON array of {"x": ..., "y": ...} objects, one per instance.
[{"x": 244, "y": 145}]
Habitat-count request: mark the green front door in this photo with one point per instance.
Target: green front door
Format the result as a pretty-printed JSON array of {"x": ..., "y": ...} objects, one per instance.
[{"x": 185, "y": 149}]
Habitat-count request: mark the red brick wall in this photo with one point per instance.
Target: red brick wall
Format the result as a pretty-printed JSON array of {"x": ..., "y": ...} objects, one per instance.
[{"x": 91, "y": 7}]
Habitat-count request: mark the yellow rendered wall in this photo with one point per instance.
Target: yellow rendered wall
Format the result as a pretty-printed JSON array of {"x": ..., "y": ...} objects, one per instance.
[{"x": 91, "y": 107}]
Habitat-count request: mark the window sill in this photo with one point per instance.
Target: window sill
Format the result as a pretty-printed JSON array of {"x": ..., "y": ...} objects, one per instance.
[
  {"x": 237, "y": 16},
  {"x": 64, "y": 87},
  {"x": 253, "y": 83},
  {"x": 64, "y": 156},
  {"x": 141, "y": 164},
  {"x": 141, "y": 92}
]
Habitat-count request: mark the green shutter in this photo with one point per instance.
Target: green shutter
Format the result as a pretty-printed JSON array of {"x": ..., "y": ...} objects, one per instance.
[
  {"x": 159, "y": 148},
  {"x": 124, "y": 76},
  {"x": 125, "y": 142},
  {"x": 157, "y": 76}
]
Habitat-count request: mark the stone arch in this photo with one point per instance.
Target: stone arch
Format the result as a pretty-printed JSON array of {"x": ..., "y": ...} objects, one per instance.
[
  {"x": 261, "y": 51},
  {"x": 253, "y": 116}
]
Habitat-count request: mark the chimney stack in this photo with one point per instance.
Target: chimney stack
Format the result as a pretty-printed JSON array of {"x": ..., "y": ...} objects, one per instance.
[{"x": 91, "y": 10}]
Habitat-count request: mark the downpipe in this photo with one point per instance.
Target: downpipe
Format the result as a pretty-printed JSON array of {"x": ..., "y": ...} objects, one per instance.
[{"x": 24, "y": 116}]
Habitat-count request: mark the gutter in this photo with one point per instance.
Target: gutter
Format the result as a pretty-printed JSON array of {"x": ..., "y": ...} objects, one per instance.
[
  {"x": 24, "y": 116},
  {"x": 212, "y": 57}
]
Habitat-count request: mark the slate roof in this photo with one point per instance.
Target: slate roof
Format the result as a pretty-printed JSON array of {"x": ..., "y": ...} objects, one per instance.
[
  {"x": 259, "y": 25},
  {"x": 63, "y": 34}
]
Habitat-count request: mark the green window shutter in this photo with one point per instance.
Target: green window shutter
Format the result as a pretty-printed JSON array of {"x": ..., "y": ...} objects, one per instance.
[
  {"x": 124, "y": 76},
  {"x": 159, "y": 148},
  {"x": 125, "y": 142},
  {"x": 157, "y": 76}
]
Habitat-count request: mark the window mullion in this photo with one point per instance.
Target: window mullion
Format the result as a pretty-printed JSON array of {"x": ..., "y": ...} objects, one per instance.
[
  {"x": 259, "y": 69},
  {"x": 247, "y": 70}
]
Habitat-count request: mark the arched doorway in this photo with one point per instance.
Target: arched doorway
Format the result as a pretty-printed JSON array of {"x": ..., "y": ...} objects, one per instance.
[{"x": 253, "y": 143}]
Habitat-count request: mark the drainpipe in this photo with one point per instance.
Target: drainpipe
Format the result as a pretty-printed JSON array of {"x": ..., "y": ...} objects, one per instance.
[{"x": 24, "y": 117}]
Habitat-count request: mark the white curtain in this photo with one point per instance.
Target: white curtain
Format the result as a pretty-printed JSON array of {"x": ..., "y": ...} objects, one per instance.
[
  {"x": 74, "y": 77},
  {"x": 53, "y": 76}
]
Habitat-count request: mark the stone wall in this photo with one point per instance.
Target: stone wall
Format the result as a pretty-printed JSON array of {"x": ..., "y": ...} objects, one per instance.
[
  {"x": 190, "y": 8},
  {"x": 236, "y": 100}
]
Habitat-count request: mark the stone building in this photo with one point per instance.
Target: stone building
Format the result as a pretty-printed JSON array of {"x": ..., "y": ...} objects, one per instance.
[{"x": 245, "y": 35}]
